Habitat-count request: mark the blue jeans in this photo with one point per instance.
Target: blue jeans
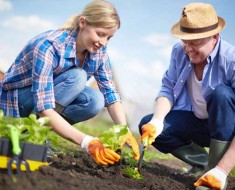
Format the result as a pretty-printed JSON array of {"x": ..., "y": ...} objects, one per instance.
[
  {"x": 182, "y": 127},
  {"x": 79, "y": 102}
]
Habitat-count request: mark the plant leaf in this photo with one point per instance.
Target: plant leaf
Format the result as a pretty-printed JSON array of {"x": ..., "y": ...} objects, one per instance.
[{"x": 111, "y": 138}]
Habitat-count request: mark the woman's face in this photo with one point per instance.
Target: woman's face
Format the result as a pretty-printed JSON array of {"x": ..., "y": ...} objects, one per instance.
[
  {"x": 198, "y": 50},
  {"x": 93, "y": 38}
]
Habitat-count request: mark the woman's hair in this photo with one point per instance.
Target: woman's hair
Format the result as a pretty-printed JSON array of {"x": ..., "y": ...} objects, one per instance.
[{"x": 98, "y": 13}]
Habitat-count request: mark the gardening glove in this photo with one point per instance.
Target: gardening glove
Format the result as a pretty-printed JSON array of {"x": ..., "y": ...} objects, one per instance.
[
  {"x": 151, "y": 130},
  {"x": 131, "y": 141},
  {"x": 214, "y": 178},
  {"x": 96, "y": 149}
]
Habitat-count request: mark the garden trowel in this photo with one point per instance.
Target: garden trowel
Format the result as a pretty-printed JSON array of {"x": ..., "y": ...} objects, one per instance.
[
  {"x": 142, "y": 149},
  {"x": 16, "y": 156},
  {"x": 14, "y": 135}
]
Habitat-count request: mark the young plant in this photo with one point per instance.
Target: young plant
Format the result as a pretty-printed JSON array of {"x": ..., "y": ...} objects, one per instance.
[
  {"x": 31, "y": 129},
  {"x": 37, "y": 131},
  {"x": 132, "y": 172},
  {"x": 3, "y": 126},
  {"x": 111, "y": 138}
]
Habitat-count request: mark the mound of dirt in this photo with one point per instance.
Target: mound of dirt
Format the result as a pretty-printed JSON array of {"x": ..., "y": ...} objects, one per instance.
[{"x": 81, "y": 172}]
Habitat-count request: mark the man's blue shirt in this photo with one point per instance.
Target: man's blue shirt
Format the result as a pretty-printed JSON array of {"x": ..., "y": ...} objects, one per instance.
[{"x": 220, "y": 69}]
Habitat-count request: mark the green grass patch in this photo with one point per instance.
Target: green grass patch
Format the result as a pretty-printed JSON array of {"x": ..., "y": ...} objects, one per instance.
[
  {"x": 232, "y": 173},
  {"x": 60, "y": 145},
  {"x": 93, "y": 128}
]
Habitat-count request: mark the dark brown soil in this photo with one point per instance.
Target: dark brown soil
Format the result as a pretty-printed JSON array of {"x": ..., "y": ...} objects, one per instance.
[{"x": 80, "y": 172}]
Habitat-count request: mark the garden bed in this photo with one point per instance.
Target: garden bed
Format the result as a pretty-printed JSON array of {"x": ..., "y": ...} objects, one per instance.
[{"x": 81, "y": 172}]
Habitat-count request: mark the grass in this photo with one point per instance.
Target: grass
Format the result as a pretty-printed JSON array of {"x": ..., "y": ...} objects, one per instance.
[{"x": 61, "y": 145}]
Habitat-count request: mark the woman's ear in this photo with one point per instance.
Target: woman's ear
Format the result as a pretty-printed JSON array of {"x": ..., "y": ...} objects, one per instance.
[{"x": 82, "y": 22}]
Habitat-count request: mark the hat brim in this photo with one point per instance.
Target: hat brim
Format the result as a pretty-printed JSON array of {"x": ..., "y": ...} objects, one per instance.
[{"x": 175, "y": 30}]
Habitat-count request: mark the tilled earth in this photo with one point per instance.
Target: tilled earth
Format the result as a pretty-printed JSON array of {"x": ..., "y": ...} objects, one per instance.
[{"x": 80, "y": 172}]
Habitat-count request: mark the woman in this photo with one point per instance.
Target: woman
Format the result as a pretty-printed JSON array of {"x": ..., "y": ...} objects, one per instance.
[{"x": 49, "y": 77}]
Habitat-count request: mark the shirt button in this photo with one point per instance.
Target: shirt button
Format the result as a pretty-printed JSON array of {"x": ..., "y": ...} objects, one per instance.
[
  {"x": 174, "y": 95},
  {"x": 189, "y": 65},
  {"x": 181, "y": 81}
]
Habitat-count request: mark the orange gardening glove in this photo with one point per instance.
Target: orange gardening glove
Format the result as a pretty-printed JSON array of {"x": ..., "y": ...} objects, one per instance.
[
  {"x": 101, "y": 154},
  {"x": 151, "y": 130},
  {"x": 214, "y": 178},
  {"x": 131, "y": 141}
]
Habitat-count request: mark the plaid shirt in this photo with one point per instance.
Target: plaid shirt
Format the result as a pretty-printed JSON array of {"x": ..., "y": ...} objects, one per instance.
[{"x": 46, "y": 55}]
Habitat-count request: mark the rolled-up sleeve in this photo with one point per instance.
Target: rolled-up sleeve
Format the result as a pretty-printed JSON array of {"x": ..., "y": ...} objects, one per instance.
[
  {"x": 105, "y": 81},
  {"x": 169, "y": 80}
]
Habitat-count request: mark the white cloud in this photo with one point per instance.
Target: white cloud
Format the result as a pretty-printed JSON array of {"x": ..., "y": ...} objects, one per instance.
[
  {"x": 136, "y": 67},
  {"x": 163, "y": 44},
  {"x": 139, "y": 81},
  {"x": 5, "y": 5},
  {"x": 115, "y": 54},
  {"x": 25, "y": 24},
  {"x": 25, "y": 28},
  {"x": 159, "y": 40},
  {"x": 6, "y": 56},
  {"x": 166, "y": 52},
  {"x": 157, "y": 70}
]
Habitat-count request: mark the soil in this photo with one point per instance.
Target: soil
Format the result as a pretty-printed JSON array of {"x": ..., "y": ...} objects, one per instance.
[{"x": 80, "y": 172}]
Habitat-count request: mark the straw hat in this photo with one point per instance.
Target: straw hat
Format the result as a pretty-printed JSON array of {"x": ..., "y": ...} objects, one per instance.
[{"x": 198, "y": 20}]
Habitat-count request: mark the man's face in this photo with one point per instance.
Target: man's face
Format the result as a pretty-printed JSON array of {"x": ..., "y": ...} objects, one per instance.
[{"x": 198, "y": 50}]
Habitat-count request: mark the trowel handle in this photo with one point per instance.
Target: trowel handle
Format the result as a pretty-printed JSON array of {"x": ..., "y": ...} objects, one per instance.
[{"x": 14, "y": 136}]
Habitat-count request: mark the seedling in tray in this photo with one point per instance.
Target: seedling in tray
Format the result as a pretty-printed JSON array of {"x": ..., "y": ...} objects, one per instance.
[{"x": 32, "y": 134}]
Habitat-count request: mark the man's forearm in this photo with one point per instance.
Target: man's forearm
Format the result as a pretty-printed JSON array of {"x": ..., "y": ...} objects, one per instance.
[{"x": 162, "y": 107}]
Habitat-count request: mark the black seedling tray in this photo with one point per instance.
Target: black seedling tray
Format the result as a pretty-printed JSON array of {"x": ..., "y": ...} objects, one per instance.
[{"x": 29, "y": 151}]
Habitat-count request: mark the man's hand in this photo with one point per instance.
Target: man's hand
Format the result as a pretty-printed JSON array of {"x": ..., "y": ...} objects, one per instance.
[
  {"x": 151, "y": 130},
  {"x": 101, "y": 154},
  {"x": 214, "y": 178},
  {"x": 131, "y": 141}
]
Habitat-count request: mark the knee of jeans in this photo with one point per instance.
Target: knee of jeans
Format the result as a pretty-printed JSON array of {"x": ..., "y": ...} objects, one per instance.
[
  {"x": 76, "y": 76},
  {"x": 221, "y": 92},
  {"x": 97, "y": 102}
]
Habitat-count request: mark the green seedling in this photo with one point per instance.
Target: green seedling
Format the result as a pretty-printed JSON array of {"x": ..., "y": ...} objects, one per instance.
[
  {"x": 111, "y": 138},
  {"x": 31, "y": 129},
  {"x": 132, "y": 172}
]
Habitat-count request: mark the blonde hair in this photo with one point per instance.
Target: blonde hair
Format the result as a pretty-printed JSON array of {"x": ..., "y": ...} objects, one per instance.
[{"x": 98, "y": 13}]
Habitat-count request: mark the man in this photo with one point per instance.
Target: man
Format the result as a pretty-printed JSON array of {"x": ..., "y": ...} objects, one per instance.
[{"x": 196, "y": 104}]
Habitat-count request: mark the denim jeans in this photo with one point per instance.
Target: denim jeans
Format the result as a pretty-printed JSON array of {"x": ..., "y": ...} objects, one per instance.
[
  {"x": 78, "y": 101},
  {"x": 182, "y": 127}
]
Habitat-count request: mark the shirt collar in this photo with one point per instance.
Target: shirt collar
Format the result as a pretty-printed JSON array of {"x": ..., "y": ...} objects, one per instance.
[
  {"x": 213, "y": 54},
  {"x": 70, "y": 51}
]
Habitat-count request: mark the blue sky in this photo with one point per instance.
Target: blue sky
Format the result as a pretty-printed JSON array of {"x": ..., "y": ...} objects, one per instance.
[{"x": 139, "y": 51}]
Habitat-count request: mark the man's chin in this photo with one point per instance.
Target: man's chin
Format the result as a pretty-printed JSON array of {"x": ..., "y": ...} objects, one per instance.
[{"x": 193, "y": 60}]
